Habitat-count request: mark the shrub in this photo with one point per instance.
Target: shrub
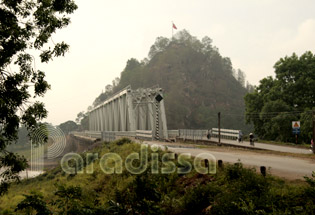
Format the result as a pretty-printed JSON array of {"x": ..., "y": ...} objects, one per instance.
[{"x": 122, "y": 141}]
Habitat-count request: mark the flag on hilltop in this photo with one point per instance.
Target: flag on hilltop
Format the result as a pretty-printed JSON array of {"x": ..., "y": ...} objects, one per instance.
[{"x": 173, "y": 27}]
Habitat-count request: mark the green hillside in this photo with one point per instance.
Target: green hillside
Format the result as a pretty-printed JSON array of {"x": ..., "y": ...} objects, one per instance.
[
  {"x": 197, "y": 81},
  {"x": 232, "y": 190}
]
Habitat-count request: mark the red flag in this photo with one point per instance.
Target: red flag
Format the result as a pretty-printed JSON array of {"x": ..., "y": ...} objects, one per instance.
[{"x": 174, "y": 26}]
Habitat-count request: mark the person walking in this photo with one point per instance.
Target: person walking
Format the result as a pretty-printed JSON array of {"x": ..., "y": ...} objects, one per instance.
[
  {"x": 251, "y": 139},
  {"x": 240, "y": 136},
  {"x": 209, "y": 134}
]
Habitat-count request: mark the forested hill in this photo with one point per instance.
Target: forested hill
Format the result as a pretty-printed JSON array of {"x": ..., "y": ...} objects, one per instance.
[{"x": 197, "y": 81}]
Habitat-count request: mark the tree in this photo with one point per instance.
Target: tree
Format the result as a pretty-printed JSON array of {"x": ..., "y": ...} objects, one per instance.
[
  {"x": 68, "y": 126},
  {"x": 79, "y": 117},
  {"x": 288, "y": 97},
  {"x": 69, "y": 200},
  {"x": 250, "y": 88},
  {"x": 84, "y": 124},
  {"x": 83, "y": 121},
  {"x": 241, "y": 77},
  {"x": 33, "y": 202},
  {"x": 160, "y": 45},
  {"x": 26, "y": 26}
]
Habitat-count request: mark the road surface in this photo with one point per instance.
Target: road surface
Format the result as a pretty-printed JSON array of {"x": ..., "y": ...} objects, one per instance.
[
  {"x": 265, "y": 146},
  {"x": 283, "y": 166}
]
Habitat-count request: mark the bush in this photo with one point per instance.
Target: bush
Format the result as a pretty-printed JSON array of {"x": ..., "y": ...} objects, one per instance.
[{"x": 122, "y": 141}]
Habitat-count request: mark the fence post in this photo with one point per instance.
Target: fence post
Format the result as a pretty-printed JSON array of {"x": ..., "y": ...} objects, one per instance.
[
  {"x": 263, "y": 170},
  {"x": 206, "y": 163},
  {"x": 220, "y": 164}
]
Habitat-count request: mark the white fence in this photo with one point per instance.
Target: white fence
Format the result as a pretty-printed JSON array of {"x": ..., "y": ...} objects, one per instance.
[
  {"x": 173, "y": 134},
  {"x": 225, "y": 133},
  {"x": 192, "y": 134},
  {"x": 144, "y": 134}
]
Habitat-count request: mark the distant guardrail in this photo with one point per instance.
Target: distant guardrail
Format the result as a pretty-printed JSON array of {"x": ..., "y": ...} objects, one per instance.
[
  {"x": 144, "y": 134},
  {"x": 186, "y": 134},
  {"x": 193, "y": 134},
  {"x": 173, "y": 134},
  {"x": 90, "y": 134},
  {"x": 105, "y": 135},
  {"x": 225, "y": 133}
]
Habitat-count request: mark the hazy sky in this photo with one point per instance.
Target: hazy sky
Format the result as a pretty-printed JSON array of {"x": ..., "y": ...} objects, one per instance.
[{"x": 104, "y": 34}]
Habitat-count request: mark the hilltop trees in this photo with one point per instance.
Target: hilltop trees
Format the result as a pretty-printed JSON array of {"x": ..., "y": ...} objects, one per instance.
[
  {"x": 197, "y": 80},
  {"x": 288, "y": 97},
  {"x": 25, "y": 25},
  {"x": 68, "y": 126}
]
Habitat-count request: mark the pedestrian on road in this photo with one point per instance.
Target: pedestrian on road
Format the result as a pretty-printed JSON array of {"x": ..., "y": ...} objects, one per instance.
[
  {"x": 251, "y": 139},
  {"x": 312, "y": 146},
  {"x": 240, "y": 136},
  {"x": 209, "y": 134}
]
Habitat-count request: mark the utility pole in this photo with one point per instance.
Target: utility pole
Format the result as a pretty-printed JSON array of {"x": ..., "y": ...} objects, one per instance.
[{"x": 219, "y": 127}]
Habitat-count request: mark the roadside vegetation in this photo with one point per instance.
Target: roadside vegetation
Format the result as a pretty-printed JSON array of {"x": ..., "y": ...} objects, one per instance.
[
  {"x": 232, "y": 190},
  {"x": 276, "y": 102}
]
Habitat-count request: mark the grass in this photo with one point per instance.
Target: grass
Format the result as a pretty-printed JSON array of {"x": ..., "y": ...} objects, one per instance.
[
  {"x": 234, "y": 189},
  {"x": 302, "y": 145}
]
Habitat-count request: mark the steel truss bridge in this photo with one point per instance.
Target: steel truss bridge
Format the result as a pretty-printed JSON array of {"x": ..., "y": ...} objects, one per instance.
[
  {"x": 140, "y": 114},
  {"x": 131, "y": 111}
]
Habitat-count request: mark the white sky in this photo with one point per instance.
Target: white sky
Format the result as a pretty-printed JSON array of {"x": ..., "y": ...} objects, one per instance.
[{"x": 104, "y": 34}]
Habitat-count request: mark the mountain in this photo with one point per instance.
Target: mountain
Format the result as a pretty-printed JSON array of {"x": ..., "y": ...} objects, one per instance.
[{"x": 197, "y": 82}]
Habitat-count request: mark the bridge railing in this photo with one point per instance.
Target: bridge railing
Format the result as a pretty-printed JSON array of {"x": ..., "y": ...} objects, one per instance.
[
  {"x": 120, "y": 134},
  {"x": 225, "y": 133},
  {"x": 193, "y": 134},
  {"x": 144, "y": 134},
  {"x": 108, "y": 136},
  {"x": 90, "y": 134},
  {"x": 173, "y": 134},
  {"x": 188, "y": 134}
]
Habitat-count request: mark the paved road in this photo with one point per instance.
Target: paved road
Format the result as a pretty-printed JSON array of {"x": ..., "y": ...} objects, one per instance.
[
  {"x": 271, "y": 147},
  {"x": 283, "y": 166}
]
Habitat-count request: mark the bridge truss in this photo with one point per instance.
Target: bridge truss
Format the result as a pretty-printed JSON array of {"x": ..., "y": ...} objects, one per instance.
[{"x": 131, "y": 110}]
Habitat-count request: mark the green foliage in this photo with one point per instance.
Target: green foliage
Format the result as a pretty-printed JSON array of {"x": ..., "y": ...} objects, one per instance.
[
  {"x": 310, "y": 193},
  {"x": 122, "y": 141},
  {"x": 232, "y": 190},
  {"x": 83, "y": 120},
  {"x": 275, "y": 103},
  {"x": 14, "y": 163},
  {"x": 141, "y": 196},
  {"x": 25, "y": 26},
  {"x": 68, "y": 199},
  {"x": 68, "y": 126},
  {"x": 33, "y": 202}
]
